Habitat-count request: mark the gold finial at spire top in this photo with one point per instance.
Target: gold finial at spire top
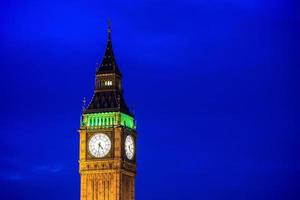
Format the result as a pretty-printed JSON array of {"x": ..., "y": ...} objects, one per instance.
[{"x": 108, "y": 25}]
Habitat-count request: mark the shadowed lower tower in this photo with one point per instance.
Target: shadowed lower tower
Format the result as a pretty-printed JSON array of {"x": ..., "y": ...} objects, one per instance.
[{"x": 107, "y": 161}]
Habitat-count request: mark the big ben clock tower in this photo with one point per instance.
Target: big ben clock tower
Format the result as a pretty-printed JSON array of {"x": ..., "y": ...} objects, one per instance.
[{"x": 107, "y": 161}]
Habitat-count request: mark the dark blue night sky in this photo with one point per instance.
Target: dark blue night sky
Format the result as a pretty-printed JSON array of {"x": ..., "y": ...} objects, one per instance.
[{"x": 214, "y": 85}]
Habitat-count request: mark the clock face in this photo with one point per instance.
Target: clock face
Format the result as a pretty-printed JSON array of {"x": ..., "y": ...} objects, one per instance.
[
  {"x": 99, "y": 145},
  {"x": 129, "y": 147}
]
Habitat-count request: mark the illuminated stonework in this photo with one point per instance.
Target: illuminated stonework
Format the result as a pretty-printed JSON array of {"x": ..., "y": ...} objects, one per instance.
[{"x": 107, "y": 119}]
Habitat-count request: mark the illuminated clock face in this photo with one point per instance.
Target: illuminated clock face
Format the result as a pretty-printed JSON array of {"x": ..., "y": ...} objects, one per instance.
[
  {"x": 99, "y": 145},
  {"x": 129, "y": 147}
]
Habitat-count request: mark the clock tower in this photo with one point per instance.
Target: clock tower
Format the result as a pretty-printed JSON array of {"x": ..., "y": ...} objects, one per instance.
[{"x": 107, "y": 157}]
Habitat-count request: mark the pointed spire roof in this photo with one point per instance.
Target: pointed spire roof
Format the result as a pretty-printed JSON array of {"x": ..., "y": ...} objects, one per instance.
[
  {"x": 109, "y": 64},
  {"x": 108, "y": 98}
]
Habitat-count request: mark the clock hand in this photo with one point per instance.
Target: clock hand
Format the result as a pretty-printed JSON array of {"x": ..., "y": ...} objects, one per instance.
[{"x": 131, "y": 149}]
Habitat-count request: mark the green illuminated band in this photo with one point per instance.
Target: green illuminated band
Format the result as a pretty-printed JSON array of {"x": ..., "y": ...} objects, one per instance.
[{"x": 107, "y": 119}]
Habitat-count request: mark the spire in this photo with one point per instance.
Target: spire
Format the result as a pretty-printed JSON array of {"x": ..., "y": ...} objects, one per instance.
[
  {"x": 109, "y": 64},
  {"x": 108, "y": 93},
  {"x": 109, "y": 26}
]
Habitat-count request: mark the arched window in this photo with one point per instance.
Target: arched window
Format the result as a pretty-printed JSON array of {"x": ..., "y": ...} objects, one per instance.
[{"x": 108, "y": 83}]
